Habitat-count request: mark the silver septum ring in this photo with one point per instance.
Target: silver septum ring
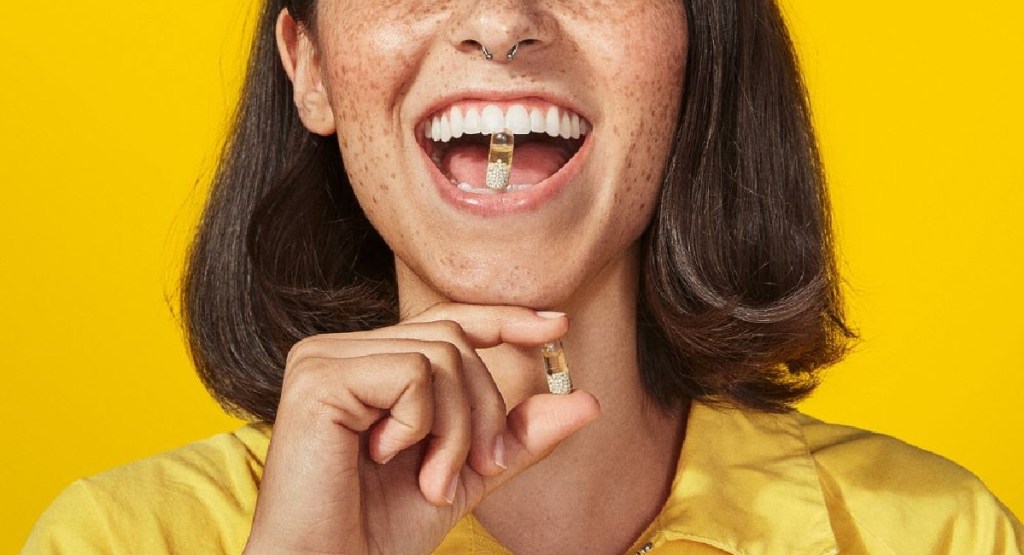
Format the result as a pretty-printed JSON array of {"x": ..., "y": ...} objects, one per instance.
[{"x": 511, "y": 55}]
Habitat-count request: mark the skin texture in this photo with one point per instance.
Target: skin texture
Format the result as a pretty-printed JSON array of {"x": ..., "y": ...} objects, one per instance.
[
  {"x": 379, "y": 67},
  {"x": 430, "y": 397}
]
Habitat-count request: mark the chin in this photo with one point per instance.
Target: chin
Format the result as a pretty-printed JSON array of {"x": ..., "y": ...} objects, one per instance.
[
  {"x": 505, "y": 292},
  {"x": 512, "y": 285}
]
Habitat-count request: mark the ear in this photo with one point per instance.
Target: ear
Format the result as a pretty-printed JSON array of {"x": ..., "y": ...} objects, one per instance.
[{"x": 302, "y": 64}]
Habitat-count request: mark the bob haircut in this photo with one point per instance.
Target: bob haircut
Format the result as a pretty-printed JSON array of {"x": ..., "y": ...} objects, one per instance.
[{"x": 740, "y": 299}]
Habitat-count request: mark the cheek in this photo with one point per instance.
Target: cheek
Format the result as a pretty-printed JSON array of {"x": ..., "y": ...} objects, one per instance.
[
  {"x": 369, "y": 54},
  {"x": 647, "y": 96}
]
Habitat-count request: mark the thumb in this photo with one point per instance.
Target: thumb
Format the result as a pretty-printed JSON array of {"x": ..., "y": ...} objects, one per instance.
[{"x": 537, "y": 426}]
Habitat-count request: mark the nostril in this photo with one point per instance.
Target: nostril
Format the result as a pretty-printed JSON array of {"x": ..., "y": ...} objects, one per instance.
[
  {"x": 470, "y": 45},
  {"x": 512, "y": 52}
]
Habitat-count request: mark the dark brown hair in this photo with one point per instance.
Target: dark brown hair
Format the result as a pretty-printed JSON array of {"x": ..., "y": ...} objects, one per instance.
[{"x": 740, "y": 297}]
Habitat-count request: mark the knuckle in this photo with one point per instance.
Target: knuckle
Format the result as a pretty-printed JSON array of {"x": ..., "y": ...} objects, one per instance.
[
  {"x": 447, "y": 360},
  {"x": 309, "y": 369},
  {"x": 298, "y": 349},
  {"x": 304, "y": 379},
  {"x": 450, "y": 328},
  {"x": 420, "y": 371},
  {"x": 450, "y": 355}
]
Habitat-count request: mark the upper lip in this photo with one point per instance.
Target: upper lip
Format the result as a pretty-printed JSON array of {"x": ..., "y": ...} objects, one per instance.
[{"x": 561, "y": 100}]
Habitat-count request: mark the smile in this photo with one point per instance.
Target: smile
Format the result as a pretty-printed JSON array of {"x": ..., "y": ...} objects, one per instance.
[{"x": 549, "y": 139}]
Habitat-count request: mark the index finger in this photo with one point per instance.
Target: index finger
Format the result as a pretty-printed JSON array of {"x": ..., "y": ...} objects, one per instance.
[{"x": 489, "y": 326}]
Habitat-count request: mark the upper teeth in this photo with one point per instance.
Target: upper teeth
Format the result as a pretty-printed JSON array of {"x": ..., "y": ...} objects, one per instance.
[{"x": 456, "y": 122}]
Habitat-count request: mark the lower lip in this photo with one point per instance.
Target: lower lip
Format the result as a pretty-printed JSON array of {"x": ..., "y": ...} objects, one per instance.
[{"x": 518, "y": 202}]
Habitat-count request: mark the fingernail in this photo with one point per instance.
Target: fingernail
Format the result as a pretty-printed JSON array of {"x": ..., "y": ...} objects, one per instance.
[
  {"x": 453, "y": 486},
  {"x": 385, "y": 457},
  {"x": 550, "y": 315},
  {"x": 499, "y": 452}
]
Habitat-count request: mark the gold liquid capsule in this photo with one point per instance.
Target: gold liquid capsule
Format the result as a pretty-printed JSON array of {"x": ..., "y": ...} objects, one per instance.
[
  {"x": 499, "y": 160},
  {"x": 559, "y": 382}
]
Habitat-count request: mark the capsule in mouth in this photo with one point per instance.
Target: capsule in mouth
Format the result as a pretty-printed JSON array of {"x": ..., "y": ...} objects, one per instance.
[
  {"x": 544, "y": 138},
  {"x": 499, "y": 160}
]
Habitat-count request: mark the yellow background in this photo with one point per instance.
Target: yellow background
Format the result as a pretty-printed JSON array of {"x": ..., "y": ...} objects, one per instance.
[{"x": 109, "y": 121}]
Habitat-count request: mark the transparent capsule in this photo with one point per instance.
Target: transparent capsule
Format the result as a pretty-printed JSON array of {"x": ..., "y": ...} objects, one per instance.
[
  {"x": 499, "y": 160},
  {"x": 556, "y": 368}
]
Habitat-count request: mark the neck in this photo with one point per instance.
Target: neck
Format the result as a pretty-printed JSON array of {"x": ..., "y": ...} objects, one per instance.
[{"x": 634, "y": 440}]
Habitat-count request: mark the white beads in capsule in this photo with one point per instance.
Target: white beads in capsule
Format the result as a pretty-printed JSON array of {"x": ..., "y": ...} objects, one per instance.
[
  {"x": 557, "y": 369},
  {"x": 499, "y": 160}
]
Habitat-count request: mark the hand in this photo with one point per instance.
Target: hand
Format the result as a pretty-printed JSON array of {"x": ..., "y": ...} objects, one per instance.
[{"x": 384, "y": 439}]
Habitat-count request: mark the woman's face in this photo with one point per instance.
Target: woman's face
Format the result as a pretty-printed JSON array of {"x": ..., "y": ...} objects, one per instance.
[{"x": 390, "y": 69}]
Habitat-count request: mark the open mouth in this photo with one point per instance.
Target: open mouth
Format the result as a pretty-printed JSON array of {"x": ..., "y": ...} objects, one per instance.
[{"x": 457, "y": 140}]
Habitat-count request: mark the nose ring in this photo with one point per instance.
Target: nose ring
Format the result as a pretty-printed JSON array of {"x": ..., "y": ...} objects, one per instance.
[{"x": 511, "y": 55}]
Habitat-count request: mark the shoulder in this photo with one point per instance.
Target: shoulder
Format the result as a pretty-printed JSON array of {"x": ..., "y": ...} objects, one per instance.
[
  {"x": 885, "y": 495},
  {"x": 197, "y": 498}
]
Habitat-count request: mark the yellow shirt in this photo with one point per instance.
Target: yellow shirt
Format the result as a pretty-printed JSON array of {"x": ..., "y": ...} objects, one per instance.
[{"x": 748, "y": 483}]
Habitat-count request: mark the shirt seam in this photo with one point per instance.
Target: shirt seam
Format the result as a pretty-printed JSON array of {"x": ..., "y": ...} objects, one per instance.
[
  {"x": 833, "y": 494},
  {"x": 101, "y": 514}
]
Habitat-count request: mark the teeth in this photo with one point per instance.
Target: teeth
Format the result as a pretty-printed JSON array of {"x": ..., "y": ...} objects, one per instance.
[
  {"x": 493, "y": 120},
  {"x": 551, "y": 125},
  {"x": 471, "y": 125},
  {"x": 446, "y": 130},
  {"x": 486, "y": 191},
  {"x": 537, "y": 121},
  {"x": 469, "y": 189},
  {"x": 517, "y": 120},
  {"x": 454, "y": 123}
]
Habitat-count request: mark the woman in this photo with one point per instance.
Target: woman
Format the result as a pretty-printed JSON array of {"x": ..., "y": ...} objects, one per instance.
[{"x": 347, "y": 287}]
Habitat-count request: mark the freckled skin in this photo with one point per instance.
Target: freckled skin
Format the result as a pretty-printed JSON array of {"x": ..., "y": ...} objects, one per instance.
[{"x": 383, "y": 64}]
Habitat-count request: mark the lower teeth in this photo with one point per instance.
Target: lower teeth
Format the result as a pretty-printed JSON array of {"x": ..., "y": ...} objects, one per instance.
[{"x": 487, "y": 190}]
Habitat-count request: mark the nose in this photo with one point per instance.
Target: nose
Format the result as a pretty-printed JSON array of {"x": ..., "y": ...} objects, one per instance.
[{"x": 499, "y": 30}]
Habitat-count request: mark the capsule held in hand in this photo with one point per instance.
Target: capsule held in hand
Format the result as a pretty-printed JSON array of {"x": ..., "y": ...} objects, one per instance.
[{"x": 556, "y": 367}]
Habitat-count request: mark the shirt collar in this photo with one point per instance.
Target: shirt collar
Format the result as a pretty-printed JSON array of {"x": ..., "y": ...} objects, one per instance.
[{"x": 746, "y": 484}]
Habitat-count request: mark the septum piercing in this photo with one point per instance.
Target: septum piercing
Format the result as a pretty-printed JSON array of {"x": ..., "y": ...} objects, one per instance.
[{"x": 510, "y": 55}]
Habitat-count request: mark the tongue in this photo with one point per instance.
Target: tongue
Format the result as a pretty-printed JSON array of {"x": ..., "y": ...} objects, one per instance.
[{"x": 531, "y": 163}]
